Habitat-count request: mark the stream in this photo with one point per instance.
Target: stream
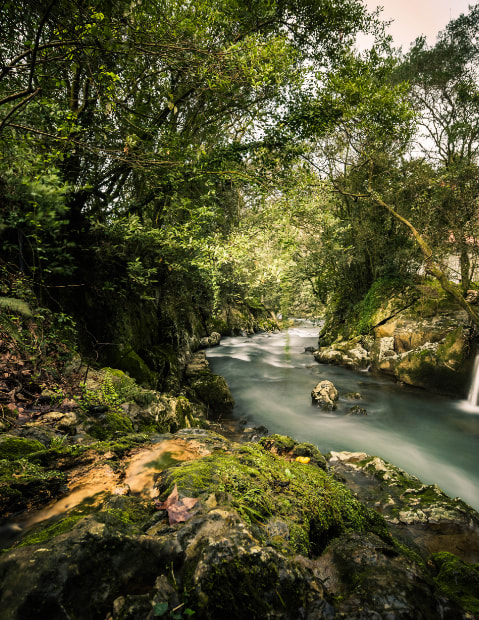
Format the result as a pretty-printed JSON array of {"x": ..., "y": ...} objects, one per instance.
[{"x": 430, "y": 436}]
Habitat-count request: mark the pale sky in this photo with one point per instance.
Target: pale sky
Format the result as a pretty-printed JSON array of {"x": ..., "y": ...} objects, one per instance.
[{"x": 413, "y": 18}]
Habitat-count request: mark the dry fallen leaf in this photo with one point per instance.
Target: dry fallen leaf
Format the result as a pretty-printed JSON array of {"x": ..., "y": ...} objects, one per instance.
[{"x": 178, "y": 509}]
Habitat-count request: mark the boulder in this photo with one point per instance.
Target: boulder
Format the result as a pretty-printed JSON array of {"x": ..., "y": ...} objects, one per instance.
[
  {"x": 325, "y": 395},
  {"x": 212, "y": 340},
  {"x": 423, "y": 346},
  {"x": 267, "y": 536},
  {"x": 357, "y": 410}
]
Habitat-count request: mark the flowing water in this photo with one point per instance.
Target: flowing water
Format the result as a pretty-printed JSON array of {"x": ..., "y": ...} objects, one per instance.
[{"x": 271, "y": 378}]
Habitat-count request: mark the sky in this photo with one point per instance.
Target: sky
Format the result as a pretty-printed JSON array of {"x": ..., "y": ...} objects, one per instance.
[{"x": 413, "y": 18}]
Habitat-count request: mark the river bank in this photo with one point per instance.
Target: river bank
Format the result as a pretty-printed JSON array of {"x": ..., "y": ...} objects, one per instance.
[
  {"x": 271, "y": 377},
  {"x": 132, "y": 516}
]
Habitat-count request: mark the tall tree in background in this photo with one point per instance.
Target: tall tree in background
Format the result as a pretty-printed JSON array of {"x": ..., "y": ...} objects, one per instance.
[{"x": 445, "y": 94}]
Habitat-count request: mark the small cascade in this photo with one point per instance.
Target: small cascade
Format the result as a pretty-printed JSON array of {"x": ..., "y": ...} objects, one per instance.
[{"x": 474, "y": 391}]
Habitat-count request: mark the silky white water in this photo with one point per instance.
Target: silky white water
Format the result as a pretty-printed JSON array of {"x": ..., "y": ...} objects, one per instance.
[{"x": 432, "y": 437}]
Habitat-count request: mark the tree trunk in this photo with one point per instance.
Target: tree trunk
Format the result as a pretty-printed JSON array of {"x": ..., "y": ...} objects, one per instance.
[{"x": 432, "y": 266}]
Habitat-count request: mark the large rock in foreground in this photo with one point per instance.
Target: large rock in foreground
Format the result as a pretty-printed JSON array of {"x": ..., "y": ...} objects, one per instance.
[{"x": 270, "y": 535}]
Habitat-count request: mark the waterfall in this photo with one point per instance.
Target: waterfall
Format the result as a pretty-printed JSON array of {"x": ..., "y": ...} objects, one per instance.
[{"x": 474, "y": 391}]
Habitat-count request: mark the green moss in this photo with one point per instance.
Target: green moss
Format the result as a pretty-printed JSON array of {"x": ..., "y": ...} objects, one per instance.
[
  {"x": 109, "y": 425},
  {"x": 278, "y": 443},
  {"x": 24, "y": 484},
  {"x": 121, "y": 445},
  {"x": 315, "y": 506},
  {"x": 219, "y": 325},
  {"x": 126, "y": 514},
  {"x": 458, "y": 580},
  {"x": 212, "y": 390},
  {"x": 129, "y": 361},
  {"x": 51, "y": 531},
  {"x": 16, "y": 447},
  {"x": 378, "y": 296}
]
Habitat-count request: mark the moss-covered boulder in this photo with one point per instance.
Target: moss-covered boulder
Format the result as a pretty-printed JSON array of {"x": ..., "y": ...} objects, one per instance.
[
  {"x": 422, "y": 515},
  {"x": 12, "y": 447},
  {"x": 421, "y": 338},
  {"x": 212, "y": 390},
  {"x": 256, "y": 533},
  {"x": 23, "y": 483},
  {"x": 458, "y": 580}
]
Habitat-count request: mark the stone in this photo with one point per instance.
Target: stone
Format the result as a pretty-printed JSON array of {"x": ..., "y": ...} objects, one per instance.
[
  {"x": 212, "y": 340},
  {"x": 353, "y": 396},
  {"x": 357, "y": 410},
  {"x": 298, "y": 543},
  {"x": 63, "y": 422},
  {"x": 325, "y": 395},
  {"x": 472, "y": 297}
]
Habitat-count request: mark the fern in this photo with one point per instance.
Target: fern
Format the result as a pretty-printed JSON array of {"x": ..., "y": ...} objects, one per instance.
[{"x": 16, "y": 305}]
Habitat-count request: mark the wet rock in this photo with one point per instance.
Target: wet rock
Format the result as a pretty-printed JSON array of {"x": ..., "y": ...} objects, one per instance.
[
  {"x": 198, "y": 363},
  {"x": 270, "y": 538},
  {"x": 212, "y": 390},
  {"x": 353, "y": 396},
  {"x": 357, "y": 410},
  {"x": 212, "y": 340},
  {"x": 372, "y": 580},
  {"x": 421, "y": 515},
  {"x": 325, "y": 395},
  {"x": 254, "y": 434},
  {"x": 350, "y": 354},
  {"x": 420, "y": 339}
]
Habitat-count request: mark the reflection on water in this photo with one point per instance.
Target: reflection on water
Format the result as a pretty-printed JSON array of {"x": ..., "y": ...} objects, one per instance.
[
  {"x": 432, "y": 437},
  {"x": 89, "y": 486},
  {"x": 143, "y": 468}
]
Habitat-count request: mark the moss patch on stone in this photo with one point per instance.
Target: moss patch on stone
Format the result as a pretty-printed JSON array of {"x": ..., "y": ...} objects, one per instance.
[
  {"x": 44, "y": 534},
  {"x": 12, "y": 448},
  {"x": 458, "y": 580},
  {"x": 315, "y": 507},
  {"x": 26, "y": 485},
  {"x": 108, "y": 425},
  {"x": 212, "y": 390}
]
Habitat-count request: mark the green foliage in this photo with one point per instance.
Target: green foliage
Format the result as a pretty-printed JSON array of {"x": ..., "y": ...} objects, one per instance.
[
  {"x": 16, "y": 305},
  {"x": 381, "y": 291}
]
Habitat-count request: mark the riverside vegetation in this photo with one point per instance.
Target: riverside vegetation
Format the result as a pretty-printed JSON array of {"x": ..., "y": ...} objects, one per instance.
[{"x": 174, "y": 172}]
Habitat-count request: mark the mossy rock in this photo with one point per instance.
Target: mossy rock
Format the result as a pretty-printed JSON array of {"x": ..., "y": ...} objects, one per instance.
[
  {"x": 108, "y": 425},
  {"x": 458, "y": 580},
  {"x": 17, "y": 447},
  {"x": 130, "y": 362},
  {"x": 314, "y": 507},
  {"x": 212, "y": 390},
  {"x": 26, "y": 485},
  {"x": 163, "y": 359},
  {"x": 278, "y": 444},
  {"x": 424, "y": 369},
  {"x": 283, "y": 445}
]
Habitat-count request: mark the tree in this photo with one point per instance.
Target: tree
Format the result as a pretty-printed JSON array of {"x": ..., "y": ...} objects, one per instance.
[
  {"x": 445, "y": 95},
  {"x": 370, "y": 127}
]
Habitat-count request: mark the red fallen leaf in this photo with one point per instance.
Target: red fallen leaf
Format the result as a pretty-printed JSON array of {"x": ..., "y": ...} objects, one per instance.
[{"x": 178, "y": 509}]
